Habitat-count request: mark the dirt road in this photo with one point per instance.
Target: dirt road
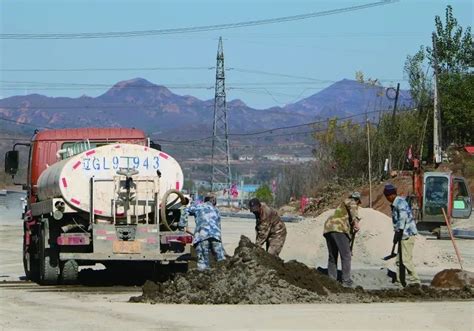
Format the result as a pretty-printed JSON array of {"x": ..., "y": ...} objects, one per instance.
[
  {"x": 49, "y": 309},
  {"x": 29, "y": 306}
]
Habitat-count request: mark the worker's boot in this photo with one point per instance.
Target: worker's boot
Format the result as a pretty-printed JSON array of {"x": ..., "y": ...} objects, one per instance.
[{"x": 348, "y": 283}]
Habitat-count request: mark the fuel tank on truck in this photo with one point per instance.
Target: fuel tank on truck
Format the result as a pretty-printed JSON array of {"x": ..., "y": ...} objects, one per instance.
[{"x": 70, "y": 179}]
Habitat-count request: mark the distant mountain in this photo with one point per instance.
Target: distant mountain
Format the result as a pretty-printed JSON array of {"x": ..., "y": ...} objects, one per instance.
[
  {"x": 154, "y": 108},
  {"x": 349, "y": 97}
]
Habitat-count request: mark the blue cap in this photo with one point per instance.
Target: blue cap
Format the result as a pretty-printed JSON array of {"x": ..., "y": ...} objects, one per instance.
[{"x": 389, "y": 189}]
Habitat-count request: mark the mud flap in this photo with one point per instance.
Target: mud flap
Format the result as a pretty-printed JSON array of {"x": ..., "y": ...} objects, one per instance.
[
  {"x": 30, "y": 260},
  {"x": 49, "y": 257}
]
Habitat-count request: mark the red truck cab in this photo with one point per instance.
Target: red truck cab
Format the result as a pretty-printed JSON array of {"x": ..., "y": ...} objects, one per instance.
[{"x": 45, "y": 146}]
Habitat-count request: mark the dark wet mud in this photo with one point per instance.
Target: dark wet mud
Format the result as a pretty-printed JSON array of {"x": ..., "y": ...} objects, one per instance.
[{"x": 252, "y": 276}]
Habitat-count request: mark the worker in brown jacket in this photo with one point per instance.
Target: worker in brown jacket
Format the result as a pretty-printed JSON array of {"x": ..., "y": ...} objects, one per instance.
[
  {"x": 270, "y": 228},
  {"x": 339, "y": 230}
]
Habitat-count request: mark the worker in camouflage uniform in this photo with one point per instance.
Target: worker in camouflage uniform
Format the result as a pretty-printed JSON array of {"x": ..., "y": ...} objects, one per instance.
[
  {"x": 270, "y": 228},
  {"x": 207, "y": 233},
  {"x": 404, "y": 227},
  {"x": 339, "y": 230}
]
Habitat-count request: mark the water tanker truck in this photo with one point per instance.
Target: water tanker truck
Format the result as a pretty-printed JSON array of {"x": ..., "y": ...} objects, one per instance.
[{"x": 99, "y": 195}]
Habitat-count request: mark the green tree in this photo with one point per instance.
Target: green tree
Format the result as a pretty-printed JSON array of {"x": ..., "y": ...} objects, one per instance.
[
  {"x": 420, "y": 84},
  {"x": 451, "y": 56},
  {"x": 263, "y": 193},
  {"x": 452, "y": 50}
]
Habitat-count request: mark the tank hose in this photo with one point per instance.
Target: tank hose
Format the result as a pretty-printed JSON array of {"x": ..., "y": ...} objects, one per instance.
[{"x": 164, "y": 205}]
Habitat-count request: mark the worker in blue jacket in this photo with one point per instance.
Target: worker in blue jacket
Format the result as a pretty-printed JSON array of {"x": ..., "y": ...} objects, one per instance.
[
  {"x": 404, "y": 227},
  {"x": 207, "y": 233}
]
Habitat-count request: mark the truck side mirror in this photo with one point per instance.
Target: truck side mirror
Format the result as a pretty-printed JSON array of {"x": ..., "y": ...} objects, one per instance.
[
  {"x": 155, "y": 145},
  {"x": 11, "y": 162}
]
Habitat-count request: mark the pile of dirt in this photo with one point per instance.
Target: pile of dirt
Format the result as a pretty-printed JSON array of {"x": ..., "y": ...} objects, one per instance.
[
  {"x": 453, "y": 278},
  {"x": 251, "y": 276}
]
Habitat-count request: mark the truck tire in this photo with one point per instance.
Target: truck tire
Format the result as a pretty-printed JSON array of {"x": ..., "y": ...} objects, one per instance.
[
  {"x": 179, "y": 268},
  {"x": 443, "y": 233},
  {"x": 69, "y": 272},
  {"x": 164, "y": 211},
  {"x": 48, "y": 261},
  {"x": 30, "y": 261}
]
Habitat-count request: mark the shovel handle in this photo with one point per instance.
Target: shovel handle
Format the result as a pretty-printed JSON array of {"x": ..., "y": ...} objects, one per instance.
[
  {"x": 392, "y": 254},
  {"x": 393, "y": 249}
]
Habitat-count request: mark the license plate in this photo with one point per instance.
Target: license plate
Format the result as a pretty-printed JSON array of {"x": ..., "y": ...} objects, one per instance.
[{"x": 127, "y": 247}]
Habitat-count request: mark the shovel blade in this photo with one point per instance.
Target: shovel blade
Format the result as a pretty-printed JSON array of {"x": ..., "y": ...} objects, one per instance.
[{"x": 388, "y": 257}]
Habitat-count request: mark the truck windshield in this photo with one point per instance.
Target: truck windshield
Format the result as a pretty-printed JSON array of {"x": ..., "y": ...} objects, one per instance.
[
  {"x": 436, "y": 195},
  {"x": 73, "y": 148}
]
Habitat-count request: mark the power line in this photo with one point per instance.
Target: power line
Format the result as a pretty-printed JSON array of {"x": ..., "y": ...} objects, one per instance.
[
  {"x": 13, "y": 139},
  {"x": 230, "y": 134},
  {"x": 199, "y": 142},
  {"x": 128, "y": 34},
  {"x": 25, "y": 124},
  {"x": 258, "y": 133},
  {"x": 252, "y": 135},
  {"x": 233, "y": 86},
  {"x": 104, "y": 69},
  {"x": 131, "y": 85},
  {"x": 92, "y": 107},
  {"x": 241, "y": 70},
  {"x": 279, "y": 75}
]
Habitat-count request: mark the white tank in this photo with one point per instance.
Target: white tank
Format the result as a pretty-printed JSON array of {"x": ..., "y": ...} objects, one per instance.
[{"x": 70, "y": 178}]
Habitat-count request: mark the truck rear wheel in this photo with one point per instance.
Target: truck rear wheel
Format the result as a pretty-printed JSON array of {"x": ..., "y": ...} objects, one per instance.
[
  {"x": 48, "y": 261},
  {"x": 69, "y": 272}
]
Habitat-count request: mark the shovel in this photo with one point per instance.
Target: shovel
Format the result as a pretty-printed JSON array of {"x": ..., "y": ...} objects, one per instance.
[
  {"x": 401, "y": 267},
  {"x": 392, "y": 254},
  {"x": 352, "y": 240}
]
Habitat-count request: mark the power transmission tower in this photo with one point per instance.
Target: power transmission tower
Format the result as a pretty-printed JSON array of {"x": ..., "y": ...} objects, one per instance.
[{"x": 221, "y": 176}]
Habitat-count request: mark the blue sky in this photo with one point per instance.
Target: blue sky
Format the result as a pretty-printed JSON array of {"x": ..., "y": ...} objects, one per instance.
[{"x": 375, "y": 40}]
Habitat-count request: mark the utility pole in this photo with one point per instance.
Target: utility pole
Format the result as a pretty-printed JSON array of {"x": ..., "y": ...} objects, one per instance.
[
  {"x": 370, "y": 161},
  {"x": 436, "y": 112},
  {"x": 221, "y": 176},
  {"x": 397, "y": 93},
  {"x": 394, "y": 127}
]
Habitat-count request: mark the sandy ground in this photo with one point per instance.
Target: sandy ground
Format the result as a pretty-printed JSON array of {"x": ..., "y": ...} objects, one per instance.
[{"x": 29, "y": 306}]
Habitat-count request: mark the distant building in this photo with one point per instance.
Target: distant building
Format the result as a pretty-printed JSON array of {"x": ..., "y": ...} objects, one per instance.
[
  {"x": 246, "y": 158},
  {"x": 288, "y": 158},
  {"x": 245, "y": 193},
  {"x": 202, "y": 183}
]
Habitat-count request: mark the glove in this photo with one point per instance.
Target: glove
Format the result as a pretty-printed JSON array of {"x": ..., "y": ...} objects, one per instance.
[
  {"x": 355, "y": 227},
  {"x": 397, "y": 236}
]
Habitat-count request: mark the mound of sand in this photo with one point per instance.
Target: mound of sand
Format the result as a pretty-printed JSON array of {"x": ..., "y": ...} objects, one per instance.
[{"x": 306, "y": 243}]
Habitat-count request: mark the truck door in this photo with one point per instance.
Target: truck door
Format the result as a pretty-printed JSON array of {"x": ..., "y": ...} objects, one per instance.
[{"x": 462, "y": 202}]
